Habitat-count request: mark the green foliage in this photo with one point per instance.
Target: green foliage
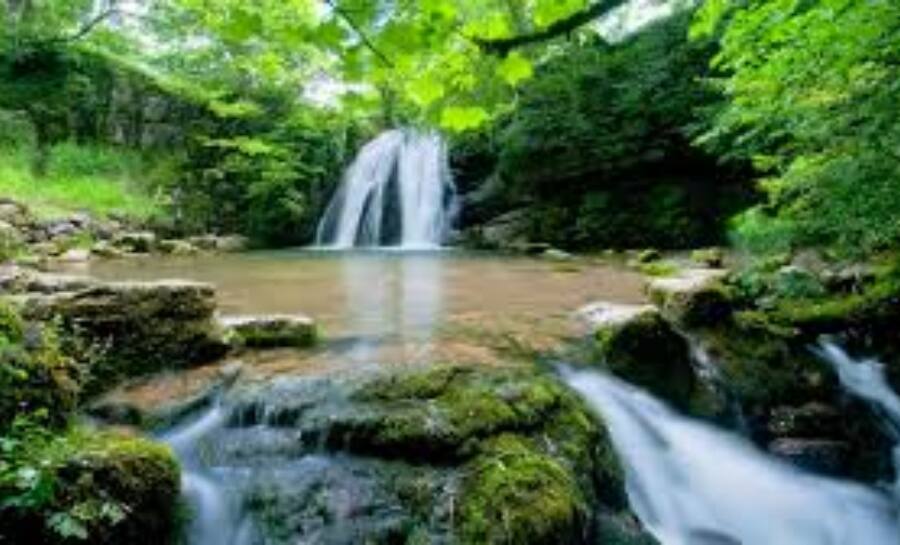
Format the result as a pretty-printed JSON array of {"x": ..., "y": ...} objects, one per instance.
[
  {"x": 83, "y": 486},
  {"x": 97, "y": 179},
  {"x": 36, "y": 378},
  {"x": 810, "y": 91},
  {"x": 598, "y": 147}
]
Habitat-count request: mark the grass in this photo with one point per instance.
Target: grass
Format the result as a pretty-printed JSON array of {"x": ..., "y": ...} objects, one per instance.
[{"x": 101, "y": 181}]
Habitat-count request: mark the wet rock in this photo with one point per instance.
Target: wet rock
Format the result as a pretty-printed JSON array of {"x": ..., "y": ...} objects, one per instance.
[
  {"x": 555, "y": 254},
  {"x": 825, "y": 456},
  {"x": 107, "y": 250},
  {"x": 177, "y": 247},
  {"x": 713, "y": 258},
  {"x": 14, "y": 213},
  {"x": 648, "y": 256},
  {"x": 138, "y": 242},
  {"x": 274, "y": 331},
  {"x": 137, "y": 328},
  {"x": 639, "y": 345},
  {"x": 812, "y": 420},
  {"x": 456, "y": 454},
  {"x": 852, "y": 278},
  {"x": 216, "y": 243},
  {"x": 693, "y": 297},
  {"x": 507, "y": 230},
  {"x": 75, "y": 255}
]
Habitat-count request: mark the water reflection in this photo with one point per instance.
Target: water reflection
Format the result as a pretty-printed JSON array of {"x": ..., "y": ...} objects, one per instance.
[{"x": 392, "y": 298}]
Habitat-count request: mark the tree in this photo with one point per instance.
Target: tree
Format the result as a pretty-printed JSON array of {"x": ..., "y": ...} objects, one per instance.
[{"x": 810, "y": 93}]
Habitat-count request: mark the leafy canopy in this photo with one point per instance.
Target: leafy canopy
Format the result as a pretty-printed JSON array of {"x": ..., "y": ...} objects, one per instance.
[{"x": 810, "y": 92}]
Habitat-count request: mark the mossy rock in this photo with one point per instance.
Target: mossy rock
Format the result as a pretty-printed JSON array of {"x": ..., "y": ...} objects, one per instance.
[
  {"x": 693, "y": 298},
  {"x": 36, "y": 378},
  {"x": 131, "y": 329},
  {"x": 274, "y": 331},
  {"x": 104, "y": 488},
  {"x": 513, "y": 493},
  {"x": 516, "y": 456},
  {"x": 645, "y": 350}
]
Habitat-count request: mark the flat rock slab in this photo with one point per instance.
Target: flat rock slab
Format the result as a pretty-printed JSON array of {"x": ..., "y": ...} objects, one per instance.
[
  {"x": 602, "y": 314},
  {"x": 686, "y": 281},
  {"x": 271, "y": 331}
]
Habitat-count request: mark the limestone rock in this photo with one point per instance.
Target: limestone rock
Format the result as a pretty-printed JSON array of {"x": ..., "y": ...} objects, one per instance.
[
  {"x": 106, "y": 249},
  {"x": 636, "y": 343},
  {"x": 177, "y": 247},
  {"x": 138, "y": 242},
  {"x": 693, "y": 297},
  {"x": 75, "y": 255},
  {"x": 216, "y": 243},
  {"x": 825, "y": 456},
  {"x": 133, "y": 328},
  {"x": 272, "y": 331}
]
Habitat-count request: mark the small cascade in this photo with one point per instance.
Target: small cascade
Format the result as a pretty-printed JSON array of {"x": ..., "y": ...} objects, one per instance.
[
  {"x": 215, "y": 519},
  {"x": 691, "y": 483},
  {"x": 398, "y": 192},
  {"x": 866, "y": 380}
]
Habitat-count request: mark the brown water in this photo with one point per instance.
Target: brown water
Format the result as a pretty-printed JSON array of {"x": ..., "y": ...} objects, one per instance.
[{"x": 375, "y": 306}]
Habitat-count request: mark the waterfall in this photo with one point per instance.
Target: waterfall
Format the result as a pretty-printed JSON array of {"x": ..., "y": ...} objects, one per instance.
[
  {"x": 691, "y": 483},
  {"x": 216, "y": 519},
  {"x": 865, "y": 379},
  {"x": 398, "y": 191}
]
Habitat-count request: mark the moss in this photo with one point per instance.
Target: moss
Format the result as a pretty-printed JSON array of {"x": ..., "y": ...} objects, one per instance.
[
  {"x": 658, "y": 268},
  {"x": 132, "y": 329},
  {"x": 445, "y": 412},
  {"x": 100, "y": 488},
  {"x": 513, "y": 493},
  {"x": 708, "y": 257},
  {"x": 648, "y": 256},
  {"x": 36, "y": 378},
  {"x": 646, "y": 351}
]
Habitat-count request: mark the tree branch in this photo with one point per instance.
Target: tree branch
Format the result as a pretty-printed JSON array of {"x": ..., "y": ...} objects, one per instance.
[
  {"x": 343, "y": 14},
  {"x": 502, "y": 46}
]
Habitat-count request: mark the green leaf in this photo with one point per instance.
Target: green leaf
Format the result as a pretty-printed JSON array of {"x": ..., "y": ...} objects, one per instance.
[
  {"x": 515, "y": 68},
  {"x": 461, "y": 119}
]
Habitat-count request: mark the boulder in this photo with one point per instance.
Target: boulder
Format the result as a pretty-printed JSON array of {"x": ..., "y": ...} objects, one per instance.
[
  {"x": 648, "y": 256},
  {"x": 812, "y": 420},
  {"x": 693, "y": 297},
  {"x": 107, "y": 250},
  {"x": 131, "y": 329},
  {"x": 15, "y": 213},
  {"x": 177, "y": 247},
  {"x": 216, "y": 243},
  {"x": 713, "y": 258},
  {"x": 455, "y": 454},
  {"x": 824, "y": 456},
  {"x": 274, "y": 331},
  {"x": 555, "y": 254},
  {"x": 507, "y": 230},
  {"x": 636, "y": 343},
  {"x": 75, "y": 255},
  {"x": 137, "y": 242}
]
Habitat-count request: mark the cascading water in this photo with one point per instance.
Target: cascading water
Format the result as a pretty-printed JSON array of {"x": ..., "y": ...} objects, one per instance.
[
  {"x": 398, "y": 191},
  {"x": 691, "y": 483},
  {"x": 215, "y": 519},
  {"x": 866, "y": 380}
]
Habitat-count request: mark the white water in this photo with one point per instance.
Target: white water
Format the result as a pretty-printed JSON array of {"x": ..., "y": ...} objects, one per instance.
[
  {"x": 866, "y": 380},
  {"x": 215, "y": 519},
  {"x": 694, "y": 484},
  {"x": 397, "y": 191}
]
